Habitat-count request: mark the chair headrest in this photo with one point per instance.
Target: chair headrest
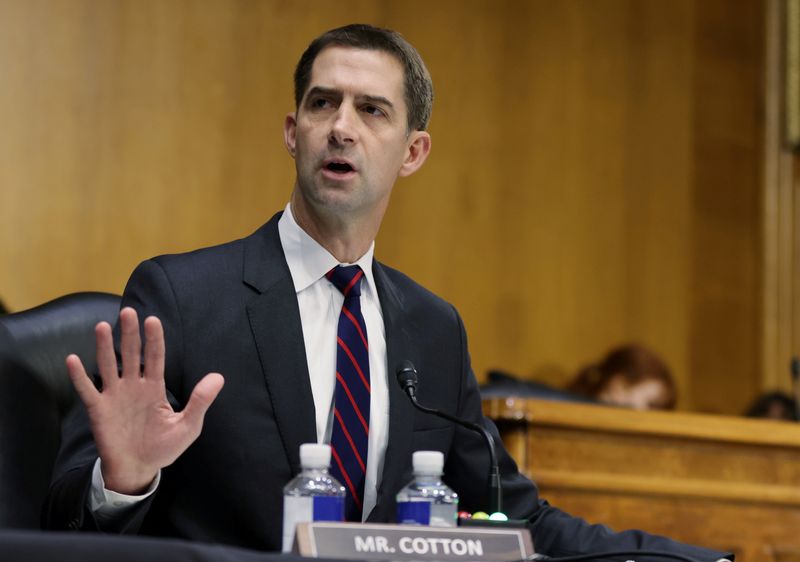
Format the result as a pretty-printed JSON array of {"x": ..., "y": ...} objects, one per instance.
[{"x": 38, "y": 340}]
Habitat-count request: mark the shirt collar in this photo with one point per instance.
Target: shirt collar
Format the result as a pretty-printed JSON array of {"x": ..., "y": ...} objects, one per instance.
[{"x": 308, "y": 261}]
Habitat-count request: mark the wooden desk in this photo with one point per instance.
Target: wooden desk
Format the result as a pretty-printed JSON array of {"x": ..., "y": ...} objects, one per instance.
[{"x": 723, "y": 482}]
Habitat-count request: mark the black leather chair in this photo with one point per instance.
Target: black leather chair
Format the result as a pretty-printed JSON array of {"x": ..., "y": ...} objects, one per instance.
[{"x": 36, "y": 394}]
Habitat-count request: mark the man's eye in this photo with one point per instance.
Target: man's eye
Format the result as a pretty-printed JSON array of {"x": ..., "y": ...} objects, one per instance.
[
  {"x": 320, "y": 103},
  {"x": 372, "y": 110}
]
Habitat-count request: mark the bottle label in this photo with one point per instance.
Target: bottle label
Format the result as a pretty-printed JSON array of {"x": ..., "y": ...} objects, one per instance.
[
  {"x": 296, "y": 509},
  {"x": 328, "y": 508},
  {"x": 414, "y": 513},
  {"x": 304, "y": 509}
]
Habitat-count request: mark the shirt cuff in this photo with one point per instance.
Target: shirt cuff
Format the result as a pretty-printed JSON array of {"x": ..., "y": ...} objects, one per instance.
[{"x": 106, "y": 503}]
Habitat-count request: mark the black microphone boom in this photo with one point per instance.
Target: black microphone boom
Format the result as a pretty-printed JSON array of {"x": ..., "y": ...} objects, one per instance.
[{"x": 407, "y": 378}]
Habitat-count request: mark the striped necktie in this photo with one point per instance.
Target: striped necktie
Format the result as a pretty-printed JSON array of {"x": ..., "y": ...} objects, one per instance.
[{"x": 350, "y": 436}]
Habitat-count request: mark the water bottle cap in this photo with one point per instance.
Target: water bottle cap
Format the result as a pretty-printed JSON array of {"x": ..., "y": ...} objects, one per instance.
[
  {"x": 427, "y": 462},
  {"x": 315, "y": 455}
]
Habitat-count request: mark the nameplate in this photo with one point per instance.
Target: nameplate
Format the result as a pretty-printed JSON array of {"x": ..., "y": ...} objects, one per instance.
[{"x": 372, "y": 541}]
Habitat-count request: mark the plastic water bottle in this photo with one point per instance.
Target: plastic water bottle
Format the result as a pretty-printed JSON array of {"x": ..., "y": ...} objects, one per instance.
[
  {"x": 313, "y": 495},
  {"x": 427, "y": 500}
]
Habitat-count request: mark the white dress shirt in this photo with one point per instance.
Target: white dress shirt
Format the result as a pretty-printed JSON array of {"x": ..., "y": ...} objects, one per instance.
[{"x": 320, "y": 304}]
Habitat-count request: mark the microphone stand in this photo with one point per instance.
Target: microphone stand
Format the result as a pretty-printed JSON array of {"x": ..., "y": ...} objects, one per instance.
[{"x": 407, "y": 377}]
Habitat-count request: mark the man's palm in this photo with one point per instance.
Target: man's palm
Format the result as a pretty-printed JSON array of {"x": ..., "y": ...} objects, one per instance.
[{"x": 135, "y": 428}]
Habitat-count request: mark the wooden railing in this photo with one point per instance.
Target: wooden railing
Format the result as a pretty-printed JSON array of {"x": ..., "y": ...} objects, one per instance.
[{"x": 723, "y": 482}]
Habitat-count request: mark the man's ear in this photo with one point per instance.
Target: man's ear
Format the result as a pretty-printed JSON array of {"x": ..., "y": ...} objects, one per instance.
[
  {"x": 419, "y": 146},
  {"x": 290, "y": 132}
]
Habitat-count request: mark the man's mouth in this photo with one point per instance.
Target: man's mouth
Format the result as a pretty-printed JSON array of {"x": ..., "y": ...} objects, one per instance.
[{"x": 339, "y": 167}]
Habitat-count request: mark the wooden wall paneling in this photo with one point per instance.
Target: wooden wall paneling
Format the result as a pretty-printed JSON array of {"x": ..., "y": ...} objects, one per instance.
[
  {"x": 588, "y": 185},
  {"x": 726, "y": 248},
  {"x": 779, "y": 308},
  {"x": 558, "y": 209},
  {"x": 658, "y": 182},
  {"x": 135, "y": 128}
]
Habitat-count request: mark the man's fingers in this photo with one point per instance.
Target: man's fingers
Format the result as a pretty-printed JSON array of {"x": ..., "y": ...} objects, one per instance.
[
  {"x": 106, "y": 360},
  {"x": 153, "y": 348},
  {"x": 82, "y": 383},
  {"x": 130, "y": 344},
  {"x": 202, "y": 396}
]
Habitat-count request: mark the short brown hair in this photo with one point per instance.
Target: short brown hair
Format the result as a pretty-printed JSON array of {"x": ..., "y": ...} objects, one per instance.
[{"x": 418, "y": 84}]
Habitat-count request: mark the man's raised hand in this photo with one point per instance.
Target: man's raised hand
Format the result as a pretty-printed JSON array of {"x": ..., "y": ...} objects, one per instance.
[{"x": 135, "y": 428}]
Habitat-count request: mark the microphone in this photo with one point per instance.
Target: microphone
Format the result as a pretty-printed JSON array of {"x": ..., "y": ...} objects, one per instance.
[{"x": 407, "y": 378}]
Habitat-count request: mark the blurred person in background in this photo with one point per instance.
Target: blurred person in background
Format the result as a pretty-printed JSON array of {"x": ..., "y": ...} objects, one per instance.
[
  {"x": 630, "y": 376},
  {"x": 775, "y": 405}
]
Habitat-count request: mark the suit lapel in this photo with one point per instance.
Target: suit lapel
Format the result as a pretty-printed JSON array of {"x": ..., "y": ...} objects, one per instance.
[
  {"x": 275, "y": 321},
  {"x": 398, "y": 347}
]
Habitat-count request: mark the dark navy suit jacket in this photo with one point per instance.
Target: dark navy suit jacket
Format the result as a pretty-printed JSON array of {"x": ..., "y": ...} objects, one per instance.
[{"x": 233, "y": 309}]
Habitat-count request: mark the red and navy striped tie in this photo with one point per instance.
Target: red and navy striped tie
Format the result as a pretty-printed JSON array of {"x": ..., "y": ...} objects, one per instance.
[{"x": 350, "y": 436}]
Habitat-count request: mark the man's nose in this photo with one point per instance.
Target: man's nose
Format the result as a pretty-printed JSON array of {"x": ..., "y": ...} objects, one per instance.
[{"x": 344, "y": 126}]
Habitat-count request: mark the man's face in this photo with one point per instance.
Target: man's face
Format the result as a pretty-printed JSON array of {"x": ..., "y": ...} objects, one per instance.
[{"x": 349, "y": 136}]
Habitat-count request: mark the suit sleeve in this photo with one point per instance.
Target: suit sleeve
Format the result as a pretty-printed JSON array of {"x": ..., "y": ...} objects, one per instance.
[
  {"x": 66, "y": 506},
  {"x": 554, "y": 532}
]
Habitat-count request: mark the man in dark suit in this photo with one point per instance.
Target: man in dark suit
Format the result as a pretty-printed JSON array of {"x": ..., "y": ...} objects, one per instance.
[{"x": 164, "y": 450}]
